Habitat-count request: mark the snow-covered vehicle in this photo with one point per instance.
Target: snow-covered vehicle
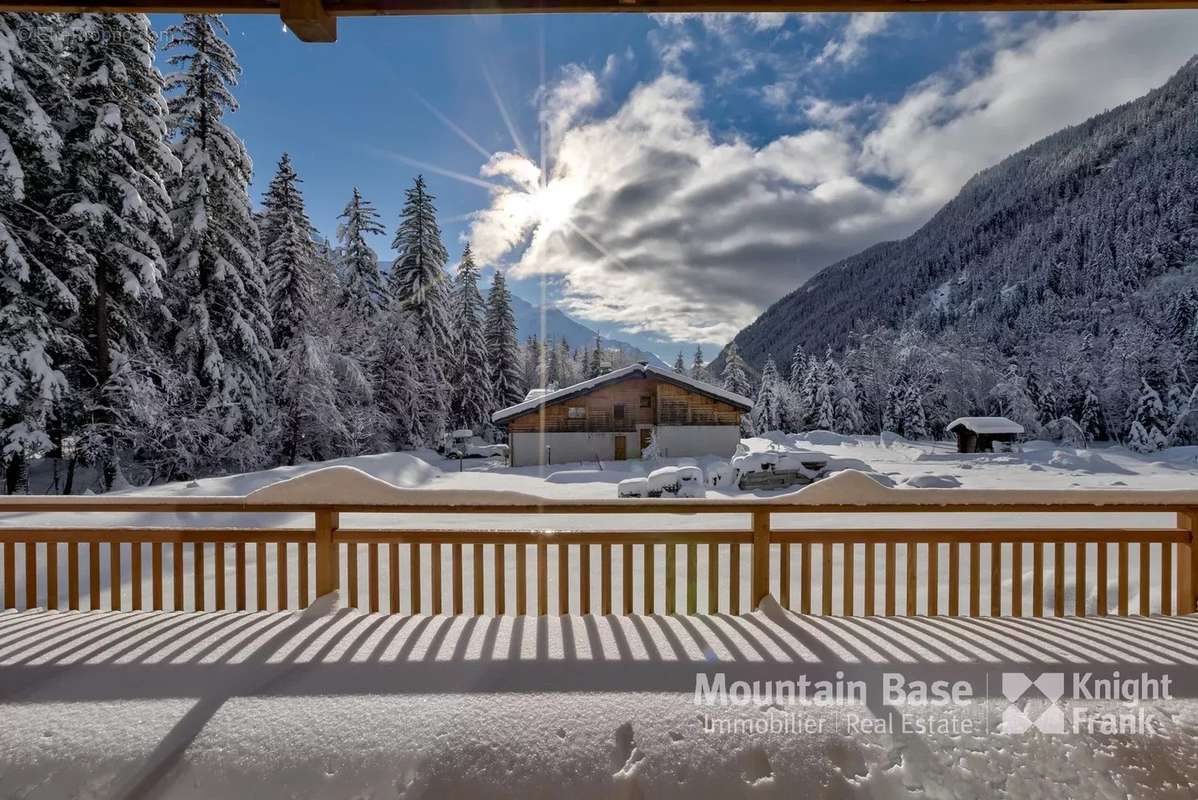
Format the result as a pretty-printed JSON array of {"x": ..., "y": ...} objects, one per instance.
[
  {"x": 462, "y": 443},
  {"x": 761, "y": 463},
  {"x": 685, "y": 481}
]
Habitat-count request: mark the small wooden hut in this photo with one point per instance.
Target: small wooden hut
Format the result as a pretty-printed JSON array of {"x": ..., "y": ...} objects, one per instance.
[{"x": 978, "y": 434}]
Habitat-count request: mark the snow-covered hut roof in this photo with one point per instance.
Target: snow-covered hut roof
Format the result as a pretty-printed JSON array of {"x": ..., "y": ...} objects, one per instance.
[
  {"x": 638, "y": 370},
  {"x": 534, "y": 394},
  {"x": 986, "y": 425}
]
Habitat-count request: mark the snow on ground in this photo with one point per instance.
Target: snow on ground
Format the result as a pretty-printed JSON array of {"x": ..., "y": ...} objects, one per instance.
[{"x": 335, "y": 703}]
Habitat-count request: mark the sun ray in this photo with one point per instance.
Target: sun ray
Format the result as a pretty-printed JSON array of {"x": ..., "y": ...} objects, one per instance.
[
  {"x": 453, "y": 126},
  {"x": 507, "y": 118},
  {"x": 449, "y": 173}
]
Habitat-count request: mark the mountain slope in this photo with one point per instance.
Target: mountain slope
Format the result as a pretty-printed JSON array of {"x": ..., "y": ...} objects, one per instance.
[
  {"x": 1088, "y": 231},
  {"x": 558, "y": 325}
]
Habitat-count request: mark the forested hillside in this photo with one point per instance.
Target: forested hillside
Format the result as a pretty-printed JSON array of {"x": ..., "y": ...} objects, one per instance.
[{"x": 1068, "y": 269}]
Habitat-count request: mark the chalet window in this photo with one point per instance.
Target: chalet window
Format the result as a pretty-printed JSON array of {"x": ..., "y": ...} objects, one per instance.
[
  {"x": 619, "y": 411},
  {"x": 576, "y": 412},
  {"x": 646, "y": 401}
]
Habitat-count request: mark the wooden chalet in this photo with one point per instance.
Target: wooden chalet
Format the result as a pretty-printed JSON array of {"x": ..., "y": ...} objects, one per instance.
[{"x": 618, "y": 415}]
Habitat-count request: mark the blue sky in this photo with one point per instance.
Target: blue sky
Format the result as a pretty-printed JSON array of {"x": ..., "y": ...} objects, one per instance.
[{"x": 696, "y": 168}]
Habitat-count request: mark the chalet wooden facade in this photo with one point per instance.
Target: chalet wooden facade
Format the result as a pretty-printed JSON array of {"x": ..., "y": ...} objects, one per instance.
[{"x": 617, "y": 415}]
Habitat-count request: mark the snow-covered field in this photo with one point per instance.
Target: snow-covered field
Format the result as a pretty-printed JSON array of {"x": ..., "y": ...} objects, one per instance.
[{"x": 333, "y": 703}]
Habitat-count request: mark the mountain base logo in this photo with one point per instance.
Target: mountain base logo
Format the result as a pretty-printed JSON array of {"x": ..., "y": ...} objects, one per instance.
[{"x": 1039, "y": 703}]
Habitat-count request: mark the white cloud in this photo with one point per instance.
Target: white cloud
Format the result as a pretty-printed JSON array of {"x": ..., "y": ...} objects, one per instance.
[
  {"x": 850, "y": 47},
  {"x": 648, "y": 220},
  {"x": 726, "y": 22}
]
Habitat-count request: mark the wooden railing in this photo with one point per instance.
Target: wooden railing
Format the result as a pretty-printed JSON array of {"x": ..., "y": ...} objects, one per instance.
[{"x": 958, "y": 571}]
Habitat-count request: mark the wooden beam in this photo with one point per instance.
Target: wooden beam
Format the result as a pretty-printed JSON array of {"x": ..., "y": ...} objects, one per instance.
[
  {"x": 314, "y": 21},
  {"x": 309, "y": 20}
]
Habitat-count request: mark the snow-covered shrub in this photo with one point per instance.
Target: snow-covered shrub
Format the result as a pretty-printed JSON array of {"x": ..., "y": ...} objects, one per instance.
[
  {"x": 633, "y": 487},
  {"x": 720, "y": 473}
]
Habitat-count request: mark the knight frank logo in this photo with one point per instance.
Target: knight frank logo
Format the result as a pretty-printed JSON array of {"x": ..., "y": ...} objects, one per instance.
[
  {"x": 1049, "y": 686},
  {"x": 1114, "y": 704}
]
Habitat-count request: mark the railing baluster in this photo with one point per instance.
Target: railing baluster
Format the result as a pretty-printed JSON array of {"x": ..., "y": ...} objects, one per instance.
[
  {"x": 584, "y": 579},
  {"x": 1058, "y": 579},
  {"x": 156, "y": 572},
  {"x": 434, "y": 573},
  {"x": 890, "y": 578},
  {"x": 1187, "y": 562},
  {"x": 605, "y": 579},
  {"x": 912, "y": 579},
  {"x": 848, "y": 584},
  {"x": 1038, "y": 579},
  {"x": 760, "y": 554},
  {"x": 542, "y": 578},
  {"x": 804, "y": 577},
  {"x": 954, "y": 578},
  {"x": 30, "y": 575},
  {"x": 72, "y": 575},
  {"x": 1079, "y": 579},
  {"x": 626, "y": 587},
  {"x": 239, "y": 576},
  {"x": 93, "y": 568},
  {"x": 563, "y": 579},
  {"x": 784, "y": 574},
  {"x": 1101, "y": 580},
  {"x": 648, "y": 568},
  {"x": 870, "y": 574},
  {"x": 415, "y": 596},
  {"x": 218, "y": 567},
  {"x": 713, "y": 578},
  {"x": 10, "y": 575},
  {"x": 282, "y": 593},
  {"x": 1122, "y": 579},
  {"x": 995, "y": 579},
  {"x": 521, "y": 579},
  {"x": 52, "y": 576},
  {"x": 1145, "y": 587},
  {"x": 478, "y": 573},
  {"x": 826, "y": 579},
  {"x": 692, "y": 573},
  {"x": 1017, "y": 579},
  {"x": 499, "y": 581},
  {"x": 455, "y": 551},
  {"x": 260, "y": 577},
  {"x": 197, "y": 589},
  {"x": 372, "y": 577},
  {"x": 135, "y": 576},
  {"x": 734, "y": 578},
  {"x": 393, "y": 595},
  {"x": 177, "y": 569},
  {"x": 933, "y": 583},
  {"x": 671, "y": 577},
  {"x": 1166, "y": 571},
  {"x": 301, "y": 577},
  {"x": 975, "y": 579},
  {"x": 351, "y": 574}
]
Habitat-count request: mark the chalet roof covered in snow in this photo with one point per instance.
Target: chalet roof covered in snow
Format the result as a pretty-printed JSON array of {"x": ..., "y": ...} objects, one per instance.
[
  {"x": 638, "y": 370},
  {"x": 990, "y": 425}
]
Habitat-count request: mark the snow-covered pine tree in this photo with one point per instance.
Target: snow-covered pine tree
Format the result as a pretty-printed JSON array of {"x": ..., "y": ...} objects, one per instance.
[
  {"x": 698, "y": 368},
  {"x": 767, "y": 409},
  {"x": 1091, "y": 420},
  {"x": 595, "y": 365},
  {"x": 825, "y": 405},
  {"x": 567, "y": 375},
  {"x": 915, "y": 421},
  {"x": 1147, "y": 431},
  {"x": 33, "y": 249},
  {"x": 401, "y": 387},
  {"x": 418, "y": 279},
  {"x": 114, "y": 206},
  {"x": 735, "y": 376},
  {"x": 679, "y": 365},
  {"x": 470, "y": 383},
  {"x": 217, "y": 287},
  {"x": 849, "y": 419},
  {"x": 419, "y": 283},
  {"x": 503, "y": 351},
  {"x": 292, "y": 272},
  {"x": 359, "y": 264}
]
